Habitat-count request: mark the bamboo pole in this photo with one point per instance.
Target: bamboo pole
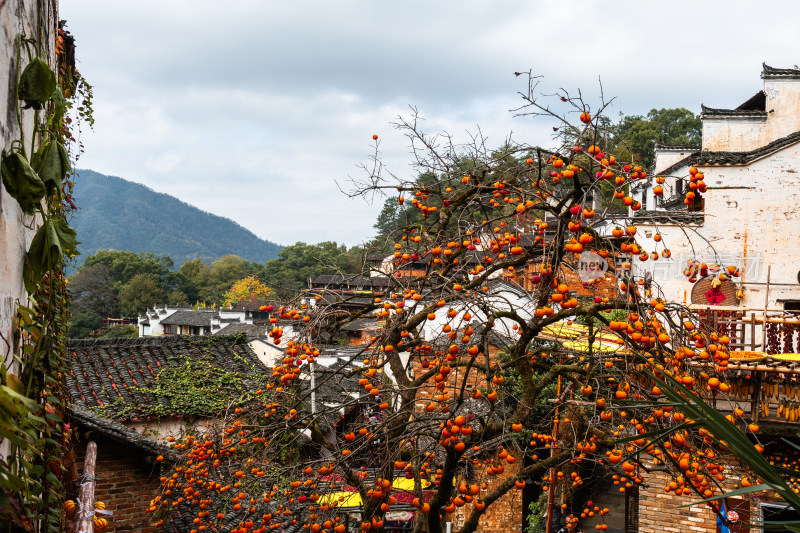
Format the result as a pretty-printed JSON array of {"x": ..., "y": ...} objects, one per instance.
[
  {"x": 552, "y": 489},
  {"x": 766, "y": 302},
  {"x": 85, "y": 523}
]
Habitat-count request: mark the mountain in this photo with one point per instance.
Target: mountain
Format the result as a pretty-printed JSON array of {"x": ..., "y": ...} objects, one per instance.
[{"x": 116, "y": 214}]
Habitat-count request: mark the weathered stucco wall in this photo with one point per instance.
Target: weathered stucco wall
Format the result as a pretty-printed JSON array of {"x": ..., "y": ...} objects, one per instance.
[
  {"x": 750, "y": 221},
  {"x": 734, "y": 133},
  {"x": 37, "y": 19},
  {"x": 742, "y": 133},
  {"x": 749, "y": 209}
]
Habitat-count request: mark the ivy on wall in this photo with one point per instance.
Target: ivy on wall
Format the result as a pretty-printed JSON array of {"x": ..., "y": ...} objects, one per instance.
[{"x": 36, "y": 173}]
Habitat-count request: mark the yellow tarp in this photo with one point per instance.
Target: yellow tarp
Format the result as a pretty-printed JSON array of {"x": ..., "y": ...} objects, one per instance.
[{"x": 353, "y": 499}]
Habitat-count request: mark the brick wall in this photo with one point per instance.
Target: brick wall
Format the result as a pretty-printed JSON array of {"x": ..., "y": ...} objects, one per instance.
[
  {"x": 505, "y": 514},
  {"x": 605, "y": 287},
  {"x": 661, "y": 511},
  {"x": 125, "y": 483}
]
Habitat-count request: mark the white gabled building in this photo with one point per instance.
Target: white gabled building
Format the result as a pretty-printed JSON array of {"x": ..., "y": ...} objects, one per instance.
[
  {"x": 750, "y": 159},
  {"x": 175, "y": 320}
]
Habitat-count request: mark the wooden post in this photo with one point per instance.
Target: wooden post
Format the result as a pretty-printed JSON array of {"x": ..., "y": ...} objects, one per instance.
[
  {"x": 766, "y": 302},
  {"x": 552, "y": 485},
  {"x": 756, "y": 396},
  {"x": 85, "y": 522}
]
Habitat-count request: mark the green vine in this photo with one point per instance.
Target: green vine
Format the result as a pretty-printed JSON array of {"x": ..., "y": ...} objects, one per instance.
[
  {"x": 33, "y": 400},
  {"x": 186, "y": 387}
]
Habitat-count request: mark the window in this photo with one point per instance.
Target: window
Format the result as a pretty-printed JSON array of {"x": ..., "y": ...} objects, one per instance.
[
  {"x": 632, "y": 510},
  {"x": 167, "y": 330},
  {"x": 777, "y": 513}
]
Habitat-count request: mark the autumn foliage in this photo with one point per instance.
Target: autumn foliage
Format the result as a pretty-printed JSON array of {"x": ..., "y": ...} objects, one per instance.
[
  {"x": 469, "y": 388},
  {"x": 249, "y": 289}
]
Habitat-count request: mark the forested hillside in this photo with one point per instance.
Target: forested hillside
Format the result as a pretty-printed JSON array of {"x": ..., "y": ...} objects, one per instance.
[{"x": 116, "y": 214}]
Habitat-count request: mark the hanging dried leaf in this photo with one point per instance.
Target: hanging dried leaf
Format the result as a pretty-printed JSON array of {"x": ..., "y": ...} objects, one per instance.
[
  {"x": 21, "y": 181},
  {"x": 36, "y": 84},
  {"x": 51, "y": 163},
  {"x": 52, "y": 241}
]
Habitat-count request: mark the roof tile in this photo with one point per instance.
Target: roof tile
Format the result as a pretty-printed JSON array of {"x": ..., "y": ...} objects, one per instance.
[{"x": 104, "y": 370}]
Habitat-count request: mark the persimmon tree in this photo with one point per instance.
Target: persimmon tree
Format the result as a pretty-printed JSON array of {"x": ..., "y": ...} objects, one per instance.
[{"x": 465, "y": 374}]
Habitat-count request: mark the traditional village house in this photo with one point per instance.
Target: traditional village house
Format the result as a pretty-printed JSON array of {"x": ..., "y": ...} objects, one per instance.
[
  {"x": 176, "y": 320},
  {"x": 745, "y": 216},
  {"x": 125, "y": 397},
  {"x": 742, "y": 214}
]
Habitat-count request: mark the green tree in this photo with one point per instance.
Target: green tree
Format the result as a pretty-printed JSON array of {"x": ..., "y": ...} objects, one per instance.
[
  {"x": 210, "y": 282},
  {"x": 177, "y": 297},
  {"x": 141, "y": 292},
  {"x": 299, "y": 262},
  {"x": 667, "y": 126},
  {"x": 92, "y": 289},
  {"x": 124, "y": 265},
  {"x": 84, "y": 323}
]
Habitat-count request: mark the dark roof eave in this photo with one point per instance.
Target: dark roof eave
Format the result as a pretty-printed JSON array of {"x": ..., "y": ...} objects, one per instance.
[
  {"x": 772, "y": 72},
  {"x": 711, "y": 112},
  {"x": 114, "y": 430},
  {"x": 722, "y": 158}
]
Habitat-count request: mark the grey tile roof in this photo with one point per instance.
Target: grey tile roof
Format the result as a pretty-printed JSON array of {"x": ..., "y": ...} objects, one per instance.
[
  {"x": 251, "y": 331},
  {"x": 772, "y": 72},
  {"x": 756, "y": 102},
  {"x": 713, "y": 112},
  {"x": 350, "y": 280},
  {"x": 676, "y": 147},
  {"x": 667, "y": 216},
  {"x": 743, "y": 158},
  {"x": 720, "y": 158},
  {"x": 190, "y": 318},
  {"x": 116, "y": 370}
]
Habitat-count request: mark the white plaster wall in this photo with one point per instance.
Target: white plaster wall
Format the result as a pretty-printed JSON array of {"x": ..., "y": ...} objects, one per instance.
[
  {"x": 667, "y": 158},
  {"x": 266, "y": 352},
  {"x": 740, "y": 134},
  {"x": 162, "y": 429},
  {"x": 735, "y": 134},
  {"x": 34, "y": 19},
  {"x": 783, "y": 107},
  {"x": 750, "y": 221}
]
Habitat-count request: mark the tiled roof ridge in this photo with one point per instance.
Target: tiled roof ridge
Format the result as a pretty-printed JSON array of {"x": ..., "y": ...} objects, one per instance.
[
  {"x": 706, "y": 157},
  {"x": 713, "y": 111},
  {"x": 733, "y": 158},
  {"x": 677, "y": 147},
  {"x": 772, "y": 72},
  {"x": 149, "y": 340}
]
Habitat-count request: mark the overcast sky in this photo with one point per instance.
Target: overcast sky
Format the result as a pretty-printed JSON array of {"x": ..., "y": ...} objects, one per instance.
[{"x": 252, "y": 109}]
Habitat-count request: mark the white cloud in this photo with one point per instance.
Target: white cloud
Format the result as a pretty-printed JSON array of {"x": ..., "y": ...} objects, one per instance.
[{"x": 252, "y": 109}]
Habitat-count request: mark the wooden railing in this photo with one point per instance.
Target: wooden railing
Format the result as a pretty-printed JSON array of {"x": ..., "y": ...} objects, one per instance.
[{"x": 768, "y": 390}]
